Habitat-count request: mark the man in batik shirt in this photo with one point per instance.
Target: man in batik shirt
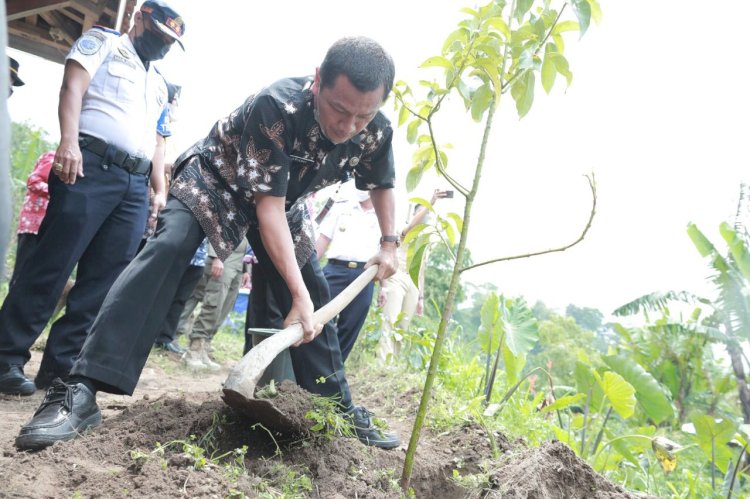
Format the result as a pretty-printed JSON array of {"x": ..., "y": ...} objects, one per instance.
[{"x": 252, "y": 176}]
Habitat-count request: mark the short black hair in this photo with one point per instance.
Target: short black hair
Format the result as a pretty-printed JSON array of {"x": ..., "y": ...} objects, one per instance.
[{"x": 363, "y": 61}]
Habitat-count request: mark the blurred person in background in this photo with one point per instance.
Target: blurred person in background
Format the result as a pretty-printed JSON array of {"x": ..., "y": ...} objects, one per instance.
[
  {"x": 399, "y": 297},
  {"x": 348, "y": 236}
]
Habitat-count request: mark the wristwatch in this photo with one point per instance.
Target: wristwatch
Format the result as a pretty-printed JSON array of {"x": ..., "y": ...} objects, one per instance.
[{"x": 391, "y": 239}]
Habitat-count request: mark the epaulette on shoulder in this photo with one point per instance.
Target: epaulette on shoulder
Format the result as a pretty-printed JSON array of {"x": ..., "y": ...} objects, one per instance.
[{"x": 105, "y": 29}]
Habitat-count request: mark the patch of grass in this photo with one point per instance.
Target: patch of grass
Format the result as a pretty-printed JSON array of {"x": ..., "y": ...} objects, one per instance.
[
  {"x": 228, "y": 345},
  {"x": 284, "y": 481}
]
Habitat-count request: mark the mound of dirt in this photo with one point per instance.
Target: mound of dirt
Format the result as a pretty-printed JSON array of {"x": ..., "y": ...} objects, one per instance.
[{"x": 176, "y": 443}]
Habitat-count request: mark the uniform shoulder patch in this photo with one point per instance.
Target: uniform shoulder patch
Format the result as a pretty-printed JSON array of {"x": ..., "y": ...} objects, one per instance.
[{"x": 90, "y": 43}]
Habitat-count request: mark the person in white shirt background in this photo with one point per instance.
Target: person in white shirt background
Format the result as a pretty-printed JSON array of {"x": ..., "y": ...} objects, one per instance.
[{"x": 348, "y": 236}]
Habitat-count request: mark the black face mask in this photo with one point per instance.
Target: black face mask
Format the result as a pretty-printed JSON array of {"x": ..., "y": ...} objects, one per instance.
[{"x": 150, "y": 46}]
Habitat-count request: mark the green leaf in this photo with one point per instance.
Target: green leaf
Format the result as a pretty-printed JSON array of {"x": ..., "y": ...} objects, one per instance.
[
  {"x": 443, "y": 159},
  {"x": 648, "y": 391},
  {"x": 449, "y": 232},
  {"x": 701, "y": 242},
  {"x": 522, "y": 7},
  {"x": 456, "y": 220},
  {"x": 520, "y": 326},
  {"x": 416, "y": 263},
  {"x": 596, "y": 11},
  {"x": 491, "y": 70},
  {"x": 480, "y": 101},
  {"x": 489, "y": 326},
  {"x": 456, "y": 40},
  {"x": 585, "y": 381},
  {"x": 412, "y": 130},
  {"x": 526, "y": 60},
  {"x": 559, "y": 42},
  {"x": 710, "y": 433},
  {"x": 737, "y": 247},
  {"x": 514, "y": 364},
  {"x": 561, "y": 64},
  {"x": 522, "y": 92},
  {"x": 619, "y": 392},
  {"x": 414, "y": 234},
  {"x": 500, "y": 25},
  {"x": 413, "y": 178},
  {"x": 549, "y": 71},
  {"x": 438, "y": 61},
  {"x": 403, "y": 115},
  {"x": 564, "y": 26},
  {"x": 564, "y": 402},
  {"x": 582, "y": 8}
]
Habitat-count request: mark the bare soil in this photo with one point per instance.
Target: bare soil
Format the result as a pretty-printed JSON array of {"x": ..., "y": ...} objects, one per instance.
[{"x": 122, "y": 457}]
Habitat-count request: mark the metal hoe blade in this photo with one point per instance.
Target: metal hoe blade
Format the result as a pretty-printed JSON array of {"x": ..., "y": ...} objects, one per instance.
[{"x": 239, "y": 388}]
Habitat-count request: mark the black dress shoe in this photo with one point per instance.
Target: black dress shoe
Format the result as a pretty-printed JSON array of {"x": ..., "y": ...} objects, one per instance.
[
  {"x": 13, "y": 381},
  {"x": 368, "y": 433},
  {"x": 66, "y": 411},
  {"x": 170, "y": 347}
]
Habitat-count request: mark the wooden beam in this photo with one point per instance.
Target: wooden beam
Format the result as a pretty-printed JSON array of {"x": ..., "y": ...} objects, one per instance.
[
  {"x": 34, "y": 33},
  {"x": 68, "y": 30},
  {"x": 18, "y": 9},
  {"x": 88, "y": 8},
  {"x": 88, "y": 22},
  {"x": 54, "y": 54},
  {"x": 73, "y": 15}
]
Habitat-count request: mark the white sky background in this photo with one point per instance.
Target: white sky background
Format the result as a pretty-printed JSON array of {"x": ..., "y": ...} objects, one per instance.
[{"x": 657, "y": 110}]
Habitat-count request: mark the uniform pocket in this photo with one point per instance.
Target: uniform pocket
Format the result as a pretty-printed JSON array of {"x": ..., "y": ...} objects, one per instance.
[{"x": 121, "y": 80}]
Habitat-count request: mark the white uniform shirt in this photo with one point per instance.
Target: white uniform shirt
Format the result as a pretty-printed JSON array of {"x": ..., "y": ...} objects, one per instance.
[
  {"x": 124, "y": 100},
  {"x": 353, "y": 231}
]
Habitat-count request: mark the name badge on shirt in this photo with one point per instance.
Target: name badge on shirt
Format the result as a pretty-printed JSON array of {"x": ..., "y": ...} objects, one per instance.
[{"x": 124, "y": 60}]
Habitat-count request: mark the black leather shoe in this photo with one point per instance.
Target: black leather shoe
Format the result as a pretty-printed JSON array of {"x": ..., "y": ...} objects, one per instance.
[
  {"x": 66, "y": 411},
  {"x": 170, "y": 347},
  {"x": 368, "y": 433},
  {"x": 13, "y": 381}
]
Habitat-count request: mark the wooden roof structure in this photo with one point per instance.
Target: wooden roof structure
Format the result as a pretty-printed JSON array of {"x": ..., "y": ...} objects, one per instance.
[{"x": 48, "y": 28}]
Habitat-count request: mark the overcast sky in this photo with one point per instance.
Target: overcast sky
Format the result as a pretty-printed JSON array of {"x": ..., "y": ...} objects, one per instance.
[{"x": 657, "y": 110}]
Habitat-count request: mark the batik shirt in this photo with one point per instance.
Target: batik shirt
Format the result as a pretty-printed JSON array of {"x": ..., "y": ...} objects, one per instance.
[{"x": 273, "y": 145}]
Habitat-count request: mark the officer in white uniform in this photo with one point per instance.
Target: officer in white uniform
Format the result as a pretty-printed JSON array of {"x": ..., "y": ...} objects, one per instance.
[
  {"x": 110, "y": 102},
  {"x": 348, "y": 236}
]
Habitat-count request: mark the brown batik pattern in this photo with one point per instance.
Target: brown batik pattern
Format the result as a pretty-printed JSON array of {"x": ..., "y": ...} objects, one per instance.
[{"x": 216, "y": 177}]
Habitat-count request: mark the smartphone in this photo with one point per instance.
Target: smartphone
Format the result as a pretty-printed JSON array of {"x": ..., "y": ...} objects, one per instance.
[{"x": 449, "y": 194}]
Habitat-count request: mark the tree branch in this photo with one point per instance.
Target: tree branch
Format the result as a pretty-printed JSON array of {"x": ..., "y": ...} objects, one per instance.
[{"x": 592, "y": 186}]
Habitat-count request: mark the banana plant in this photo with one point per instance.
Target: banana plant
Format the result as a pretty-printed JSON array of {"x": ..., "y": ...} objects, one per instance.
[
  {"x": 731, "y": 276},
  {"x": 500, "y": 48},
  {"x": 675, "y": 350}
]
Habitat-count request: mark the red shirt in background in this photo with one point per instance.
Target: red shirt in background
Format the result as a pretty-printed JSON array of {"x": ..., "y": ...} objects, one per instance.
[{"x": 37, "y": 196}]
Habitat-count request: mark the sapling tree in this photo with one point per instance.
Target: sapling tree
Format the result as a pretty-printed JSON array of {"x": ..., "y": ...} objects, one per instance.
[{"x": 500, "y": 48}]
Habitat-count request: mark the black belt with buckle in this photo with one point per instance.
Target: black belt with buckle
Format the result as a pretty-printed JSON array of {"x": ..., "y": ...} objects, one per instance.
[
  {"x": 114, "y": 155},
  {"x": 348, "y": 264}
]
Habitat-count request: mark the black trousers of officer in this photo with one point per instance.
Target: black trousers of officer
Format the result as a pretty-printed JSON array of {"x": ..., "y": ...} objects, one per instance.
[
  {"x": 351, "y": 319},
  {"x": 96, "y": 223},
  {"x": 135, "y": 308}
]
